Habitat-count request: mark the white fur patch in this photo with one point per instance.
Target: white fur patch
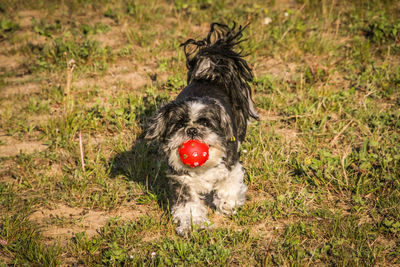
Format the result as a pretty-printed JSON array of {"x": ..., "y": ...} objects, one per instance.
[
  {"x": 230, "y": 193},
  {"x": 202, "y": 180},
  {"x": 195, "y": 108},
  {"x": 189, "y": 213}
]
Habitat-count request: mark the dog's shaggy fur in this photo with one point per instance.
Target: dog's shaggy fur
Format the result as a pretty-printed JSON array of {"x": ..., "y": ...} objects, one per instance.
[{"x": 214, "y": 108}]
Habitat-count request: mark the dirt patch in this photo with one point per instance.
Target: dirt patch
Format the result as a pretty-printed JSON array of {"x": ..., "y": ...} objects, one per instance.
[
  {"x": 39, "y": 119},
  {"x": 19, "y": 79},
  {"x": 10, "y": 147},
  {"x": 115, "y": 36},
  {"x": 267, "y": 115},
  {"x": 133, "y": 80},
  {"x": 112, "y": 39},
  {"x": 287, "y": 134},
  {"x": 220, "y": 221},
  {"x": 10, "y": 62},
  {"x": 62, "y": 222},
  {"x": 276, "y": 68},
  {"x": 30, "y": 38},
  {"x": 23, "y": 89},
  {"x": 26, "y": 16},
  {"x": 285, "y": 4}
]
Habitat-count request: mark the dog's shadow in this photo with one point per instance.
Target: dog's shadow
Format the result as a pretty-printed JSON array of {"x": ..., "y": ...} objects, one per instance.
[
  {"x": 144, "y": 165},
  {"x": 144, "y": 162}
]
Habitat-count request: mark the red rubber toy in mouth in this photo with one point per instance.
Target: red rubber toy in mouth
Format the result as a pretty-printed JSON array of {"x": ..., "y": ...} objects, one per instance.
[{"x": 193, "y": 153}]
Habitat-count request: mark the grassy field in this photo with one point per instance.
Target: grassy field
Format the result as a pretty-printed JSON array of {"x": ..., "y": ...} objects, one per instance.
[{"x": 79, "y": 78}]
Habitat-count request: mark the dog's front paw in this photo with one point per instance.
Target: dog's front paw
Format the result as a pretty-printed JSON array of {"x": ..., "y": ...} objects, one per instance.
[
  {"x": 230, "y": 195},
  {"x": 225, "y": 207},
  {"x": 188, "y": 216},
  {"x": 227, "y": 204},
  {"x": 185, "y": 228},
  {"x": 199, "y": 223}
]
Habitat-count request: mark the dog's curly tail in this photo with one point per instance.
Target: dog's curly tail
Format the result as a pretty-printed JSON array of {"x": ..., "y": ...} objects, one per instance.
[{"x": 214, "y": 59}]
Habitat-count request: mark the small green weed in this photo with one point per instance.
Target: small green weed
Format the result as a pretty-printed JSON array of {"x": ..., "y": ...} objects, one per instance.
[
  {"x": 7, "y": 27},
  {"x": 45, "y": 29},
  {"x": 87, "y": 55},
  {"x": 95, "y": 29},
  {"x": 381, "y": 30},
  {"x": 21, "y": 239}
]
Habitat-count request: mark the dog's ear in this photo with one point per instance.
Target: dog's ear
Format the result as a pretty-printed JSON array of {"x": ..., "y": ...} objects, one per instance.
[
  {"x": 227, "y": 125},
  {"x": 156, "y": 127},
  {"x": 203, "y": 68}
]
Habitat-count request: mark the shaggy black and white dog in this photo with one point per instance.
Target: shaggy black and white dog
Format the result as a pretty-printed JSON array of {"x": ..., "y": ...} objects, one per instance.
[{"x": 214, "y": 108}]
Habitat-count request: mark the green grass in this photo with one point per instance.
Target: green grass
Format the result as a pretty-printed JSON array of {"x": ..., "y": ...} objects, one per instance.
[{"x": 323, "y": 164}]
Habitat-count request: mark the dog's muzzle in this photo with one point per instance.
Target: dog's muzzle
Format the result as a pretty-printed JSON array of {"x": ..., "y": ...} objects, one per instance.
[{"x": 192, "y": 132}]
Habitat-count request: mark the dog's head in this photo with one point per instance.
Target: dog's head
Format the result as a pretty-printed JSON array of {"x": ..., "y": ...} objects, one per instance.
[{"x": 203, "y": 119}]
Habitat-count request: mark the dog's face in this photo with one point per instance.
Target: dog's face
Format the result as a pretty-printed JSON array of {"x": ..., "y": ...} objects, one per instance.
[{"x": 202, "y": 119}]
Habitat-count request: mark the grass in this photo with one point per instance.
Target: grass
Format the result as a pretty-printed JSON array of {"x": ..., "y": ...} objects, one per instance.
[{"x": 323, "y": 164}]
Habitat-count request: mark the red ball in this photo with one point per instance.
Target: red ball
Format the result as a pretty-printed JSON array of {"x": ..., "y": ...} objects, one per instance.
[{"x": 193, "y": 153}]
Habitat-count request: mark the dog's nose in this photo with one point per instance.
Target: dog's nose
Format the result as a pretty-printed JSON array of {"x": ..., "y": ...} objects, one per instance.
[{"x": 192, "y": 131}]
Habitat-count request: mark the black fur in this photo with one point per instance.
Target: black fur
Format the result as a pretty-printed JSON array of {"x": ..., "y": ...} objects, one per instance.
[
  {"x": 215, "y": 69},
  {"x": 178, "y": 193},
  {"x": 160, "y": 126}
]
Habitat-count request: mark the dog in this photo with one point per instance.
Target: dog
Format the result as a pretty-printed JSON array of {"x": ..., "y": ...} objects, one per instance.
[{"x": 214, "y": 108}]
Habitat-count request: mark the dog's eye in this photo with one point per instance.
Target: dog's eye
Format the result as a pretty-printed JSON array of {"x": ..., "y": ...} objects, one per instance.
[
  {"x": 204, "y": 122},
  {"x": 180, "y": 124}
]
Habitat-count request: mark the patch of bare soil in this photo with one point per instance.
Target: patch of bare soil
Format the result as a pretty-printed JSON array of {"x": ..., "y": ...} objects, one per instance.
[
  {"x": 135, "y": 80},
  {"x": 21, "y": 89},
  {"x": 26, "y": 16},
  {"x": 62, "y": 222},
  {"x": 275, "y": 68},
  {"x": 10, "y": 62},
  {"x": 31, "y": 38},
  {"x": 112, "y": 83},
  {"x": 39, "y": 119},
  {"x": 288, "y": 135},
  {"x": 285, "y": 4},
  {"x": 11, "y": 147},
  {"x": 113, "y": 38},
  {"x": 266, "y": 115},
  {"x": 117, "y": 75},
  {"x": 220, "y": 221}
]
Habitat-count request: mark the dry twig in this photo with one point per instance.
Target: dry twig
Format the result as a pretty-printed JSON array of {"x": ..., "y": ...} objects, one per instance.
[
  {"x": 81, "y": 149},
  {"x": 334, "y": 140}
]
